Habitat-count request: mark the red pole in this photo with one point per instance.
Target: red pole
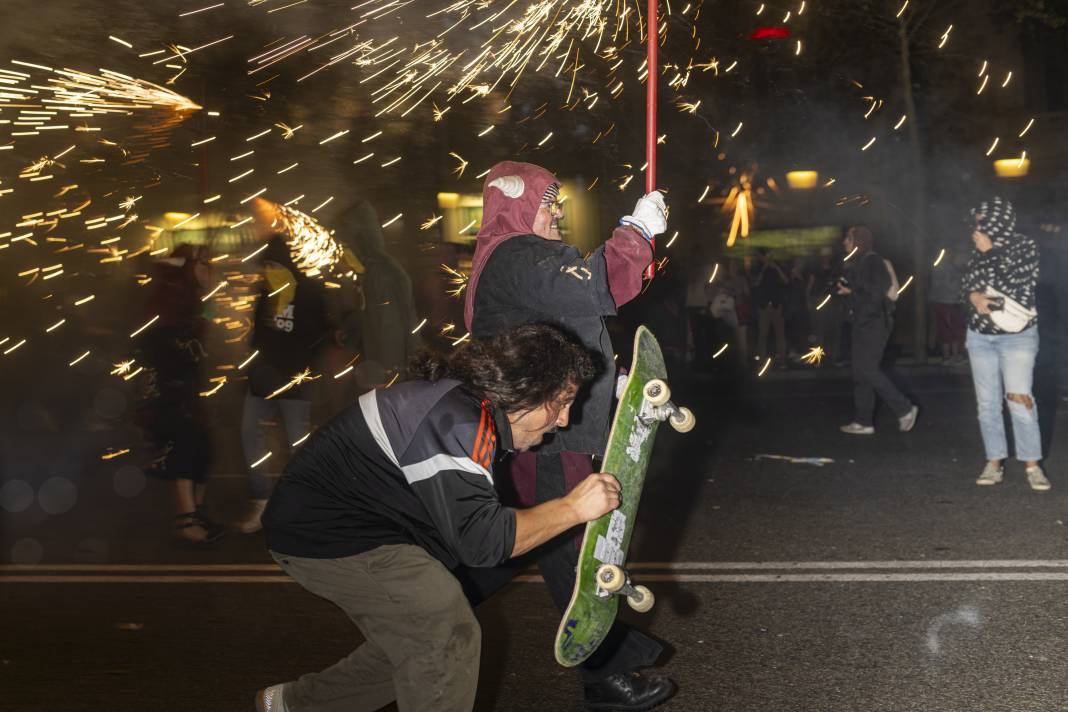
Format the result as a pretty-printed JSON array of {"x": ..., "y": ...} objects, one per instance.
[{"x": 652, "y": 37}]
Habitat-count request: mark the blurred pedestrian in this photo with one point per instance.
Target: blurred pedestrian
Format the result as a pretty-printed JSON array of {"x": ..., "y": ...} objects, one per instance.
[
  {"x": 868, "y": 286},
  {"x": 289, "y": 327},
  {"x": 389, "y": 496},
  {"x": 769, "y": 297},
  {"x": 795, "y": 311},
  {"x": 387, "y": 318},
  {"x": 172, "y": 351},
  {"x": 825, "y": 311},
  {"x": 1002, "y": 339},
  {"x": 698, "y": 317},
  {"x": 947, "y": 308},
  {"x": 524, "y": 273},
  {"x": 735, "y": 284}
]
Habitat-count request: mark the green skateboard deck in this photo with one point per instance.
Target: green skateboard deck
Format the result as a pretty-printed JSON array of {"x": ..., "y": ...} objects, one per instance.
[{"x": 643, "y": 404}]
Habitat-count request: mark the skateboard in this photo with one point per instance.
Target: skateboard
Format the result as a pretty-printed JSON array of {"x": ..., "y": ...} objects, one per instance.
[{"x": 644, "y": 402}]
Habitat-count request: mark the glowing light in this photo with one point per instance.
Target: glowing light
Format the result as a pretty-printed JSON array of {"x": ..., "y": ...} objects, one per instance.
[
  {"x": 802, "y": 180},
  {"x": 144, "y": 326},
  {"x": 945, "y": 37},
  {"x": 722, "y": 349},
  {"x": 1012, "y": 167},
  {"x": 905, "y": 285},
  {"x": 767, "y": 365},
  {"x": 247, "y": 361}
]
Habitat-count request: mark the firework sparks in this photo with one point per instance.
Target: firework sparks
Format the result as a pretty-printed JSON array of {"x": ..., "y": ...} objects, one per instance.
[
  {"x": 814, "y": 356},
  {"x": 457, "y": 279}
]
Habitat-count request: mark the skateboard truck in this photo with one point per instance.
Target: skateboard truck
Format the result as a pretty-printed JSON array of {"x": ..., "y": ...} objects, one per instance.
[
  {"x": 612, "y": 580},
  {"x": 657, "y": 405}
]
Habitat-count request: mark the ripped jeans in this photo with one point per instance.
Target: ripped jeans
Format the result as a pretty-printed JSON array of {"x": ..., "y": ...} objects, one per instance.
[{"x": 1003, "y": 369}]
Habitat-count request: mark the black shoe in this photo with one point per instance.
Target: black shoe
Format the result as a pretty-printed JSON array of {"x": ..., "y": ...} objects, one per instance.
[{"x": 628, "y": 692}]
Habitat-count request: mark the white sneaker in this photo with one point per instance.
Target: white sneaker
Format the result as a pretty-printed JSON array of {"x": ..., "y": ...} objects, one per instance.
[
  {"x": 857, "y": 429},
  {"x": 908, "y": 421},
  {"x": 992, "y": 474},
  {"x": 1037, "y": 479},
  {"x": 252, "y": 524},
  {"x": 271, "y": 700}
]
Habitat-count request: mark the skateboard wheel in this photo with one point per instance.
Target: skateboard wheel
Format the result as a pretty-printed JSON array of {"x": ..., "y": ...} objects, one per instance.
[
  {"x": 657, "y": 392},
  {"x": 682, "y": 420},
  {"x": 610, "y": 578},
  {"x": 641, "y": 600}
]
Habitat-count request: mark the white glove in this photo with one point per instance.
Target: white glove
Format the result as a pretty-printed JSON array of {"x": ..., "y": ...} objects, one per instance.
[{"x": 650, "y": 215}]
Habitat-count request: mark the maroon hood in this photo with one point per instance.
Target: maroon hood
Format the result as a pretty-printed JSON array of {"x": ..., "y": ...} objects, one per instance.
[{"x": 504, "y": 216}]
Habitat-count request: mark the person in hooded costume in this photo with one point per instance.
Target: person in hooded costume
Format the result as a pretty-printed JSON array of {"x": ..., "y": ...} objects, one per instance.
[
  {"x": 290, "y": 325},
  {"x": 866, "y": 287},
  {"x": 388, "y": 315},
  {"x": 523, "y": 273},
  {"x": 1003, "y": 359}
]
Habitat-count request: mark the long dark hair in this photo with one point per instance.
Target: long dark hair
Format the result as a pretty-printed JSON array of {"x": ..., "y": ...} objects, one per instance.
[{"x": 516, "y": 370}]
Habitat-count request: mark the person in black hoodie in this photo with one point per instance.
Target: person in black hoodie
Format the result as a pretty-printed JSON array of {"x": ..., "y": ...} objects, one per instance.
[
  {"x": 866, "y": 287},
  {"x": 289, "y": 326}
]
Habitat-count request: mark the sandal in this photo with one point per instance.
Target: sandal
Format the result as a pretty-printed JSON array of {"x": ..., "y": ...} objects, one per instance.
[
  {"x": 214, "y": 529},
  {"x": 187, "y": 531}
]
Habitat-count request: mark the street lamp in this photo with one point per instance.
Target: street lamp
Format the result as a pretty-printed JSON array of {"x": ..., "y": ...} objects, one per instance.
[
  {"x": 1012, "y": 167},
  {"x": 802, "y": 180}
]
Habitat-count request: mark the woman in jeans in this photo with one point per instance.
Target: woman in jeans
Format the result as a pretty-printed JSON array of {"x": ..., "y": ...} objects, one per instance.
[{"x": 1003, "y": 361}]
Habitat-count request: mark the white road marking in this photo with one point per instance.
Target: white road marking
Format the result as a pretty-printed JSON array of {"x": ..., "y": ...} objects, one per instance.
[{"x": 671, "y": 572}]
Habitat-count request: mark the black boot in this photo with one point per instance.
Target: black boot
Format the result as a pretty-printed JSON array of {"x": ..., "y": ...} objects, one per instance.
[{"x": 628, "y": 692}]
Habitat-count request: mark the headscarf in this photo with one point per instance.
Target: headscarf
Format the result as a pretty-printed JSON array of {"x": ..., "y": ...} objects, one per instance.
[
  {"x": 997, "y": 219},
  {"x": 511, "y": 196}
]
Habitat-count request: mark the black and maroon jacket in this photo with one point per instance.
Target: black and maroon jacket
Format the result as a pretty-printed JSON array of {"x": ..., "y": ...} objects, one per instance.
[
  {"x": 526, "y": 279},
  {"x": 532, "y": 280}
]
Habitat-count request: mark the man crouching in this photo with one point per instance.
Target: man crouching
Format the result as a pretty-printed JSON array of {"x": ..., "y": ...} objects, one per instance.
[{"x": 386, "y": 498}]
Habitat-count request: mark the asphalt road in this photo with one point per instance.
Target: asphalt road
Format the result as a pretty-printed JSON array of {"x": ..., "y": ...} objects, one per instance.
[{"x": 885, "y": 580}]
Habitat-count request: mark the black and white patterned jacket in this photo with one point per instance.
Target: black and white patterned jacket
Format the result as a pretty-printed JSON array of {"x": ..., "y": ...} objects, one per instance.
[{"x": 1011, "y": 267}]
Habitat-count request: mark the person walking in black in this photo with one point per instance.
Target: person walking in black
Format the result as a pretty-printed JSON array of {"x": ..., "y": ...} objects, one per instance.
[
  {"x": 866, "y": 286},
  {"x": 769, "y": 297}
]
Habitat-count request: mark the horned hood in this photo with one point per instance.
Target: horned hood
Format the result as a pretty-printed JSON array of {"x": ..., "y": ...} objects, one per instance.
[{"x": 511, "y": 196}]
